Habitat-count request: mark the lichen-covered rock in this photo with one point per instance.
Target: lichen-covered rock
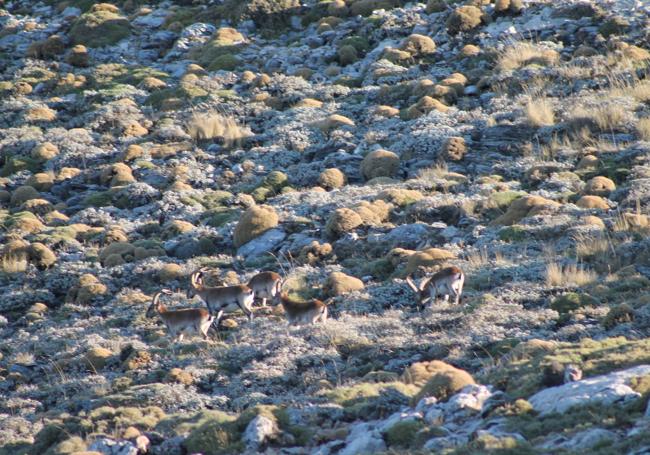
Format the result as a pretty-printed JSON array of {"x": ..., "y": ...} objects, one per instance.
[
  {"x": 605, "y": 390},
  {"x": 254, "y": 222}
]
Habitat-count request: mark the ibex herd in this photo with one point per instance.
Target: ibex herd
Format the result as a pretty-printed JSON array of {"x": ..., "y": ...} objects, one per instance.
[{"x": 267, "y": 286}]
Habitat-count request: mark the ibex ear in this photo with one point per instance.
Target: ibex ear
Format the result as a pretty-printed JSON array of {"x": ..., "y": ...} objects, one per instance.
[
  {"x": 426, "y": 300},
  {"x": 166, "y": 291}
]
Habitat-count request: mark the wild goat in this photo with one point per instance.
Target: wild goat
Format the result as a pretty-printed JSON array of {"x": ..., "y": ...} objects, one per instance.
[
  {"x": 448, "y": 281},
  {"x": 309, "y": 312},
  {"x": 197, "y": 320},
  {"x": 220, "y": 299},
  {"x": 266, "y": 285}
]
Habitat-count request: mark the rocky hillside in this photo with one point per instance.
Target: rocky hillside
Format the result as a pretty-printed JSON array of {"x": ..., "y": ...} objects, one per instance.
[{"x": 345, "y": 144}]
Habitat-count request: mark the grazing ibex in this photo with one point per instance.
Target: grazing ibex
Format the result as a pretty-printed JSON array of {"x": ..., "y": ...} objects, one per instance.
[
  {"x": 196, "y": 320},
  {"x": 220, "y": 299},
  {"x": 309, "y": 312},
  {"x": 448, "y": 281},
  {"x": 266, "y": 285}
]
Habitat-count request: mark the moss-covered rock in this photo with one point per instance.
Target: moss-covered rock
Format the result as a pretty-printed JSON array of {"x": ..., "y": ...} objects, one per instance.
[
  {"x": 23, "y": 194},
  {"x": 100, "y": 27}
]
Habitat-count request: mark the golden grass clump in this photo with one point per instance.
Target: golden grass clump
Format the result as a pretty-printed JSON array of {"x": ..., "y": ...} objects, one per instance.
[
  {"x": 379, "y": 163},
  {"x": 213, "y": 125},
  {"x": 569, "y": 275},
  {"x": 338, "y": 283},
  {"x": 464, "y": 19},
  {"x": 254, "y": 222},
  {"x": 331, "y": 178},
  {"x": 539, "y": 112},
  {"x": 521, "y": 54}
]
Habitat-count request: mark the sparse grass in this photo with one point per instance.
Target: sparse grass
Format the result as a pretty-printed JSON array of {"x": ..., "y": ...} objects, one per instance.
[
  {"x": 605, "y": 117},
  {"x": 481, "y": 257},
  {"x": 522, "y": 54},
  {"x": 639, "y": 90},
  {"x": 439, "y": 171},
  {"x": 213, "y": 125},
  {"x": 643, "y": 129},
  {"x": 539, "y": 112},
  {"x": 569, "y": 275}
]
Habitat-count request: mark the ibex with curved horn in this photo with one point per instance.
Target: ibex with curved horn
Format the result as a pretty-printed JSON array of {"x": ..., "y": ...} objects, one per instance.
[
  {"x": 197, "y": 320},
  {"x": 448, "y": 281},
  {"x": 222, "y": 299}
]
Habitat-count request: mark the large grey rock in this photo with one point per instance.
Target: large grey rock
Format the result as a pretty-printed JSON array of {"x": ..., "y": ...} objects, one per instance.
[
  {"x": 579, "y": 442},
  {"x": 262, "y": 244},
  {"x": 607, "y": 389},
  {"x": 260, "y": 430},
  {"x": 363, "y": 439}
]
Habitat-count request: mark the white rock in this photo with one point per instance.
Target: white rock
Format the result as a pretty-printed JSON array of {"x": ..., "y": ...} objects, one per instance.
[
  {"x": 362, "y": 440},
  {"x": 258, "y": 431},
  {"x": 471, "y": 397},
  {"x": 397, "y": 418},
  {"x": 606, "y": 389},
  {"x": 110, "y": 447},
  {"x": 262, "y": 244},
  {"x": 425, "y": 403}
]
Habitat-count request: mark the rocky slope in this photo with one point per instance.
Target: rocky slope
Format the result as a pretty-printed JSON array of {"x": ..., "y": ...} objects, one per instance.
[{"x": 345, "y": 144}]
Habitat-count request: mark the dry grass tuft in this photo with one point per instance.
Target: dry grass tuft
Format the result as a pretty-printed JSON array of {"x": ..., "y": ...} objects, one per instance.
[
  {"x": 569, "y": 275},
  {"x": 522, "y": 54},
  {"x": 643, "y": 129},
  {"x": 539, "y": 112},
  {"x": 606, "y": 117},
  {"x": 214, "y": 125},
  {"x": 14, "y": 263}
]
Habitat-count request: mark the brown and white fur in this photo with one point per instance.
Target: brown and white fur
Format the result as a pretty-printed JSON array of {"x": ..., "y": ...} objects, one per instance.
[
  {"x": 266, "y": 285},
  {"x": 222, "y": 299},
  {"x": 572, "y": 373},
  {"x": 197, "y": 320},
  {"x": 448, "y": 281},
  {"x": 309, "y": 312}
]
